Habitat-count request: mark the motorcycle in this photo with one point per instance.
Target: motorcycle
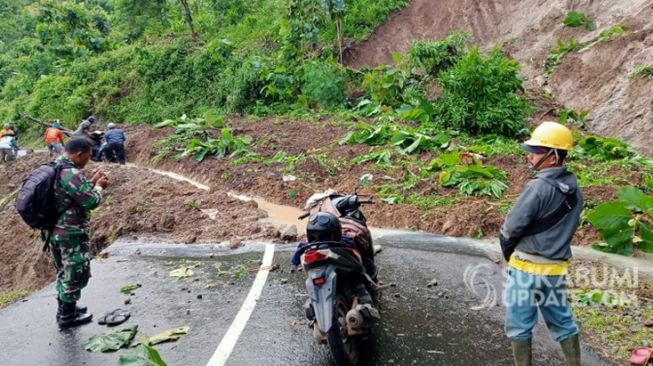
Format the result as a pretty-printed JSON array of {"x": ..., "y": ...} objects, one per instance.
[
  {"x": 341, "y": 279},
  {"x": 98, "y": 145}
]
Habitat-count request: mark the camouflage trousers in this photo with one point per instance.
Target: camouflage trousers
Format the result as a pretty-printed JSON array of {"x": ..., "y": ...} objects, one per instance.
[{"x": 71, "y": 258}]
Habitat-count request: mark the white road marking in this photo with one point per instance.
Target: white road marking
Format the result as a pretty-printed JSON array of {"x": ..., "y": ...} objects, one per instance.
[{"x": 229, "y": 340}]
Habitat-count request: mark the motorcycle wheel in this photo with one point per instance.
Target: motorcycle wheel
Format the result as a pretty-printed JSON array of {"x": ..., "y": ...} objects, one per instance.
[{"x": 345, "y": 349}]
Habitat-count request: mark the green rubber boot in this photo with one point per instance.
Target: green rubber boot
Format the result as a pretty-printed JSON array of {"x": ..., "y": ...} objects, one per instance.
[
  {"x": 571, "y": 349},
  {"x": 522, "y": 352}
]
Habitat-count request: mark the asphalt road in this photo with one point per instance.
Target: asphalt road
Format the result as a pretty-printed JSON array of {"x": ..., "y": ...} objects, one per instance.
[{"x": 437, "y": 325}]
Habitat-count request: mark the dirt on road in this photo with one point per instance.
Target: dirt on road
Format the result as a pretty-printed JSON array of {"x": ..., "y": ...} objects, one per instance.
[{"x": 137, "y": 201}]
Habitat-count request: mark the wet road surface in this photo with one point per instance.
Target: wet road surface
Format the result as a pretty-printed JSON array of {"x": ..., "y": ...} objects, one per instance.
[{"x": 421, "y": 325}]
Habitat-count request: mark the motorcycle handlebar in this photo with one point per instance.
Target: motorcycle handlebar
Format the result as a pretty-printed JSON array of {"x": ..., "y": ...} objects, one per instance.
[{"x": 365, "y": 200}]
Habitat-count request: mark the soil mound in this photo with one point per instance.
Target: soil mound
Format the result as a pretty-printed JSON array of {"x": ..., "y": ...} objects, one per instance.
[
  {"x": 597, "y": 79},
  {"x": 137, "y": 201}
]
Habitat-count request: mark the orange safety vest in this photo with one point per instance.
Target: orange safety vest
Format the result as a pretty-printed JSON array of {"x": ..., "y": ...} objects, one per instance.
[{"x": 53, "y": 135}]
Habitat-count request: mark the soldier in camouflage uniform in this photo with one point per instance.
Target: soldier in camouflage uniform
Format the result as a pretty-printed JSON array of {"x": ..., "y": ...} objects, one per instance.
[{"x": 75, "y": 197}]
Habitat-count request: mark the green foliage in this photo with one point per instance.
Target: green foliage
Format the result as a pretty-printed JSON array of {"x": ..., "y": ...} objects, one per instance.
[
  {"x": 377, "y": 157},
  {"x": 642, "y": 72},
  {"x": 70, "y": 29},
  {"x": 128, "y": 289},
  {"x": 194, "y": 137},
  {"x": 479, "y": 95},
  {"x": 625, "y": 223},
  {"x": 141, "y": 355},
  {"x": 615, "y": 30},
  {"x": 469, "y": 174},
  {"x": 434, "y": 56},
  {"x": 407, "y": 140},
  {"x": 6, "y": 298},
  {"x": 576, "y": 19},
  {"x": 604, "y": 148},
  {"x": 385, "y": 84},
  {"x": 324, "y": 84},
  {"x": 556, "y": 55},
  {"x": 570, "y": 115}
]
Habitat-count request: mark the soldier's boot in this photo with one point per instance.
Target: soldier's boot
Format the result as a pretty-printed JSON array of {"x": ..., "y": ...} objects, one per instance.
[
  {"x": 78, "y": 309},
  {"x": 571, "y": 349},
  {"x": 70, "y": 317},
  {"x": 522, "y": 352}
]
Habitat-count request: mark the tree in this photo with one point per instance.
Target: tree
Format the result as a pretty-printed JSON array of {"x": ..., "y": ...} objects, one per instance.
[
  {"x": 135, "y": 16},
  {"x": 336, "y": 10},
  {"x": 189, "y": 18}
]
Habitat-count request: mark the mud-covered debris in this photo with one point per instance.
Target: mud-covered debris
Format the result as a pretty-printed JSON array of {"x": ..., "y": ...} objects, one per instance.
[
  {"x": 167, "y": 223},
  {"x": 288, "y": 232},
  {"x": 432, "y": 283},
  {"x": 182, "y": 272},
  {"x": 648, "y": 323}
]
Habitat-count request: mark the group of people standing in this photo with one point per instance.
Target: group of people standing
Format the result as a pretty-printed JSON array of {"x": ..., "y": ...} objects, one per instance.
[{"x": 108, "y": 146}]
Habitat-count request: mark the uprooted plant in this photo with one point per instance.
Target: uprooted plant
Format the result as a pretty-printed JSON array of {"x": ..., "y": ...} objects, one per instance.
[
  {"x": 197, "y": 137},
  {"x": 469, "y": 174},
  {"x": 625, "y": 223},
  {"x": 406, "y": 139}
]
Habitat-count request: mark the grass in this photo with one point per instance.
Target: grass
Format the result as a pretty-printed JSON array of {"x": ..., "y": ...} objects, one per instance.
[
  {"x": 9, "y": 297},
  {"x": 613, "y": 329}
]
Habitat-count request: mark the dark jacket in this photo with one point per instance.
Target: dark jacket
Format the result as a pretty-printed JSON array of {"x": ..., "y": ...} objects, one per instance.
[
  {"x": 539, "y": 199},
  {"x": 115, "y": 136}
]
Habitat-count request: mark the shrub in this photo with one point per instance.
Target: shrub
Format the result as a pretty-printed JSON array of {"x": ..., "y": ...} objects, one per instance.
[
  {"x": 479, "y": 95},
  {"x": 434, "y": 56},
  {"x": 603, "y": 148},
  {"x": 386, "y": 84},
  {"x": 576, "y": 19},
  {"x": 323, "y": 83}
]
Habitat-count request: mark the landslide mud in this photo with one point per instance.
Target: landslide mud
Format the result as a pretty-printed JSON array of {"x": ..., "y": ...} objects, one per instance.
[
  {"x": 137, "y": 201},
  {"x": 597, "y": 79}
]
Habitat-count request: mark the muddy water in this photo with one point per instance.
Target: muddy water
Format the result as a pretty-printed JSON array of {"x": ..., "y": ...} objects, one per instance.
[{"x": 277, "y": 214}]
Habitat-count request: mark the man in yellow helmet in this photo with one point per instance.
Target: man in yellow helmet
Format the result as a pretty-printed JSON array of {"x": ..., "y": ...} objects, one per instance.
[{"x": 535, "y": 240}]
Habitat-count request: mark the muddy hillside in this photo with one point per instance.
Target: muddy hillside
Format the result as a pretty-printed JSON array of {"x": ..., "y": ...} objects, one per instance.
[
  {"x": 138, "y": 201},
  {"x": 595, "y": 76}
]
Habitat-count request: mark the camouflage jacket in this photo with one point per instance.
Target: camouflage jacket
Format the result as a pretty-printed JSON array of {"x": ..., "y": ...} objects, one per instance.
[{"x": 75, "y": 197}]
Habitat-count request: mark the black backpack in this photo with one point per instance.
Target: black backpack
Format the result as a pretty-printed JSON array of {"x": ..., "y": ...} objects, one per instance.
[{"x": 35, "y": 200}]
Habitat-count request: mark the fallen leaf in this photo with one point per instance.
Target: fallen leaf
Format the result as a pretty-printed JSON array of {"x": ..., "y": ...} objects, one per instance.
[
  {"x": 141, "y": 356},
  {"x": 166, "y": 336},
  {"x": 127, "y": 290},
  {"x": 112, "y": 341}
]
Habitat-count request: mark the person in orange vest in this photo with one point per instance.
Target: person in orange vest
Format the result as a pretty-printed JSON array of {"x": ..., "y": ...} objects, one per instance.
[{"x": 54, "y": 139}]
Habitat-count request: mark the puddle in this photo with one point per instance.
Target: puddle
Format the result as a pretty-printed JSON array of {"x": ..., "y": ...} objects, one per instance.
[{"x": 277, "y": 214}]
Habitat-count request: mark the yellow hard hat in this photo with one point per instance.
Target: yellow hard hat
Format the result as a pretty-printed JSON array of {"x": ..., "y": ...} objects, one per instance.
[{"x": 552, "y": 135}]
